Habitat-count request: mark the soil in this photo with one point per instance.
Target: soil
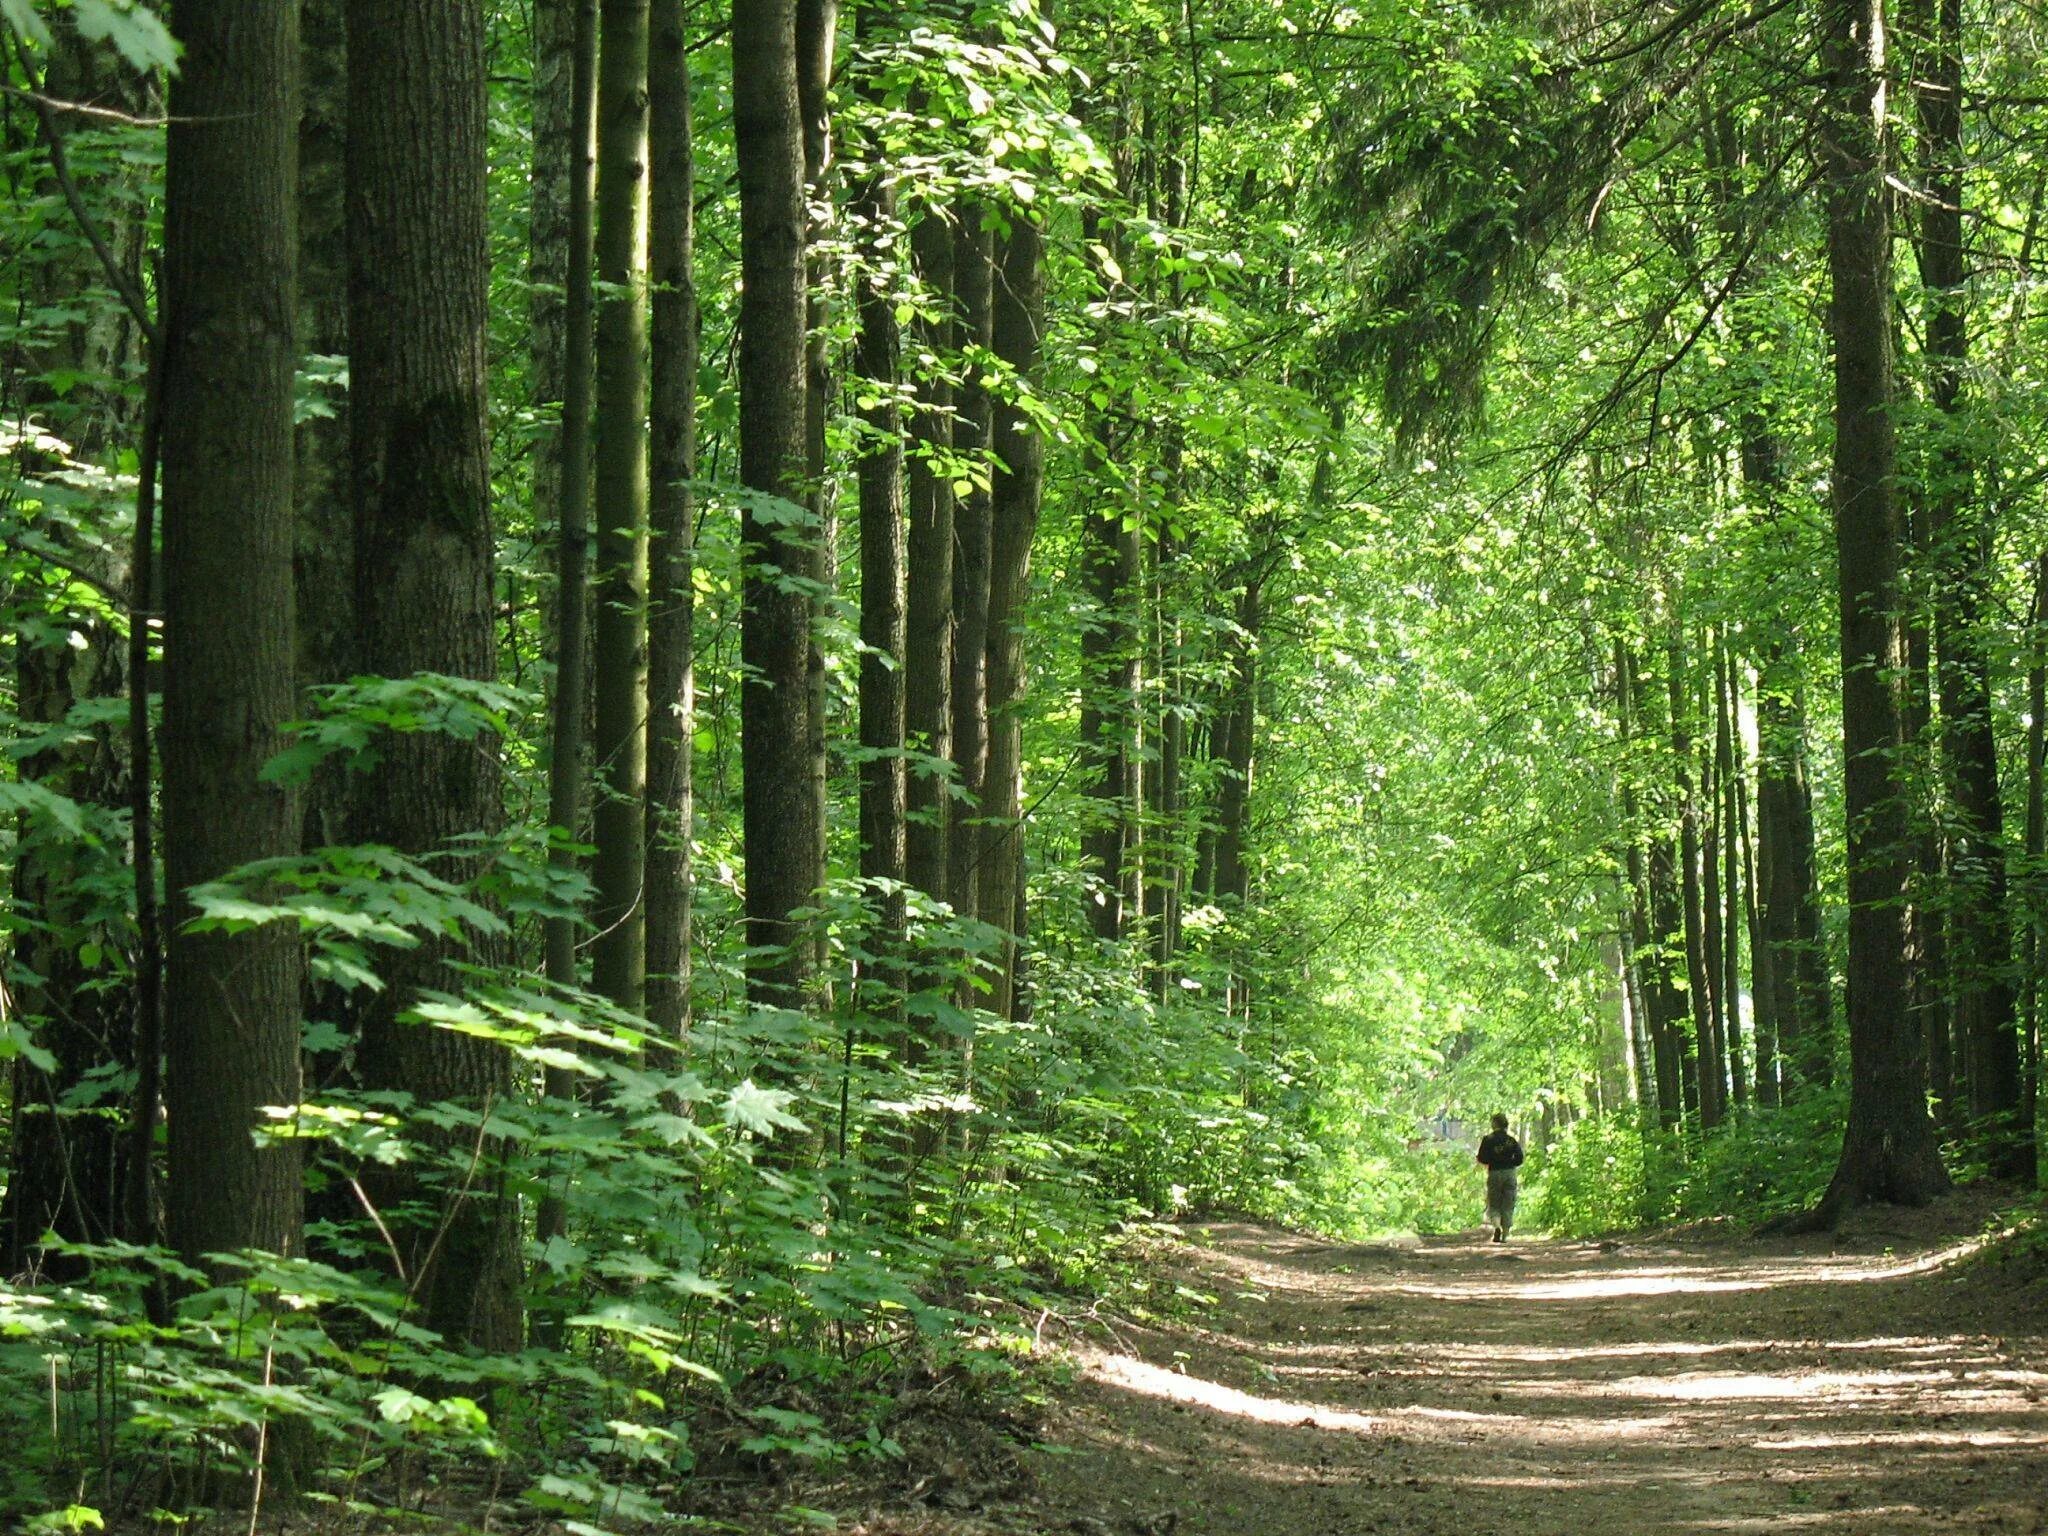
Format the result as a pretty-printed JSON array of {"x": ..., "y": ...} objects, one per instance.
[{"x": 1887, "y": 1379}]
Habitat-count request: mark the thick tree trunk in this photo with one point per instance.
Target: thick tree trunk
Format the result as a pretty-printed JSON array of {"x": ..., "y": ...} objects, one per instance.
[
  {"x": 779, "y": 810},
  {"x": 619, "y": 494},
  {"x": 1017, "y": 487},
  {"x": 425, "y": 579},
  {"x": 928, "y": 660},
  {"x": 1888, "y": 1149},
  {"x": 672, "y": 464},
  {"x": 232, "y": 1027}
]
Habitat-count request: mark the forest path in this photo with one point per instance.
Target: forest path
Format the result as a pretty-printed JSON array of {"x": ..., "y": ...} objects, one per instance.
[{"x": 1699, "y": 1382}]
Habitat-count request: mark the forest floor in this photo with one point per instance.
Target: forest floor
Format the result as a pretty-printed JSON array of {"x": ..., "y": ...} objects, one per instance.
[{"x": 1889, "y": 1378}]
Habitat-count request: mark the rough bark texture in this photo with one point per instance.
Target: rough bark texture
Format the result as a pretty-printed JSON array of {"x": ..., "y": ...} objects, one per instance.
[
  {"x": 1656, "y": 992},
  {"x": 232, "y": 1027},
  {"x": 779, "y": 812},
  {"x": 1016, "y": 490},
  {"x": 619, "y": 497},
  {"x": 1888, "y": 1149},
  {"x": 672, "y": 459},
  {"x": 425, "y": 589}
]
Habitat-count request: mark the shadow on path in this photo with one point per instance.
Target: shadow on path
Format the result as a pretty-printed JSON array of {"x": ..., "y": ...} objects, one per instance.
[{"x": 1695, "y": 1384}]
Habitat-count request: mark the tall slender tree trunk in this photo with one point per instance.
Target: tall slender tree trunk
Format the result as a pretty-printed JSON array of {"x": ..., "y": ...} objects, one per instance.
[
  {"x": 1763, "y": 975},
  {"x": 232, "y": 1026},
  {"x": 1657, "y": 1064},
  {"x": 1233, "y": 796},
  {"x": 928, "y": 662},
  {"x": 564, "y": 129},
  {"x": 1017, "y": 487},
  {"x": 882, "y": 619},
  {"x": 1734, "y": 838},
  {"x": 672, "y": 465},
  {"x": 1888, "y": 1148},
  {"x": 2034, "y": 877},
  {"x": 779, "y": 812},
  {"x": 1960, "y": 525},
  {"x": 324, "y": 557},
  {"x": 817, "y": 46},
  {"x": 1700, "y": 979},
  {"x": 425, "y": 578},
  {"x": 619, "y": 473},
  {"x": 973, "y": 252}
]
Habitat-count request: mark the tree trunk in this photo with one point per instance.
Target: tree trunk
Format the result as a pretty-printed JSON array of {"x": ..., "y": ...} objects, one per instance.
[
  {"x": 1888, "y": 1148},
  {"x": 779, "y": 808},
  {"x": 882, "y": 621},
  {"x": 817, "y": 41},
  {"x": 1017, "y": 486},
  {"x": 972, "y": 256},
  {"x": 672, "y": 465},
  {"x": 232, "y": 1027},
  {"x": 1728, "y": 775},
  {"x": 1962, "y": 533},
  {"x": 1699, "y": 974},
  {"x": 324, "y": 557},
  {"x": 1657, "y": 1065},
  {"x": 564, "y": 126},
  {"x": 1233, "y": 795},
  {"x": 619, "y": 473},
  {"x": 928, "y": 661},
  {"x": 425, "y": 580}
]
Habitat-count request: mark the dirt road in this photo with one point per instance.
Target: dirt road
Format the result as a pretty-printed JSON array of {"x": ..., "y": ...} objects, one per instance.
[{"x": 1867, "y": 1384}]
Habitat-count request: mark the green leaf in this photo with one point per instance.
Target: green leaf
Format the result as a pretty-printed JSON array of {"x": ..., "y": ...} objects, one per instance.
[
  {"x": 23, "y": 18},
  {"x": 136, "y": 34}
]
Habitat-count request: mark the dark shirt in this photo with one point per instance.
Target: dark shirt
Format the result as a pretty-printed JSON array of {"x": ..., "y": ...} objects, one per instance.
[{"x": 1500, "y": 1150}]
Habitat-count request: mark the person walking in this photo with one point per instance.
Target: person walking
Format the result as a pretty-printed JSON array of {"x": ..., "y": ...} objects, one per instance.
[{"x": 1500, "y": 1155}]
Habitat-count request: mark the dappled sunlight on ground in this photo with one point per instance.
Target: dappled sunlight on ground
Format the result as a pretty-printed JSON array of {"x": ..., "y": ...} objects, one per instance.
[{"x": 1701, "y": 1384}]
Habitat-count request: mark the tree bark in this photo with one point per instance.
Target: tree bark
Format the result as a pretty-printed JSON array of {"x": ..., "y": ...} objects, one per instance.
[
  {"x": 563, "y": 177},
  {"x": 1017, "y": 487},
  {"x": 928, "y": 662},
  {"x": 619, "y": 488},
  {"x": 1699, "y": 974},
  {"x": 882, "y": 618},
  {"x": 425, "y": 581},
  {"x": 1980, "y": 949},
  {"x": 972, "y": 256},
  {"x": 672, "y": 465},
  {"x": 1728, "y": 774},
  {"x": 232, "y": 1026},
  {"x": 779, "y": 809},
  {"x": 1888, "y": 1148},
  {"x": 817, "y": 47}
]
